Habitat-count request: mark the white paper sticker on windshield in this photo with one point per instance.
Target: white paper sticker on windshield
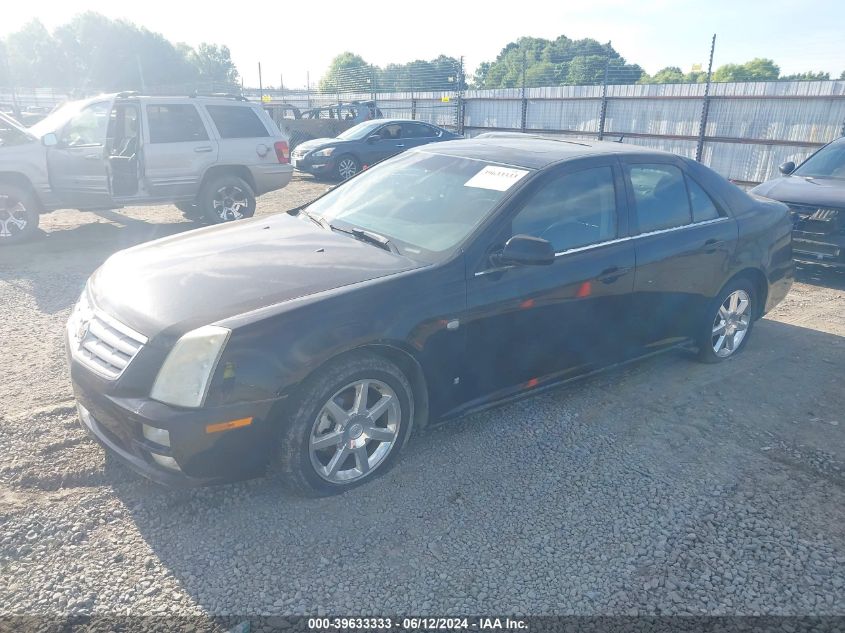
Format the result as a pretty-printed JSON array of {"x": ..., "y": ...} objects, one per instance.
[{"x": 496, "y": 178}]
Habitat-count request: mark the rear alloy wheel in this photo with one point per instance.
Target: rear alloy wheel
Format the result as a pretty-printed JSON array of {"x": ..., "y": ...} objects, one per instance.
[
  {"x": 227, "y": 198},
  {"x": 347, "y": 166},
  {"x": 730, "y": 323},
  {"x": 349, "y": 424},
  {"x": 18, "y": 214}
]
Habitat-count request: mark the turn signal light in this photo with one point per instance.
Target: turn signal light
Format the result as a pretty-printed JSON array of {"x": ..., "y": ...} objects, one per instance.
[{"x": 226, "y": 426}]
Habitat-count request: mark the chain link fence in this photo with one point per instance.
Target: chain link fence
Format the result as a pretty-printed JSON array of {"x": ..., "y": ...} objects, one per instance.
[{"x": 743, "y": 130}]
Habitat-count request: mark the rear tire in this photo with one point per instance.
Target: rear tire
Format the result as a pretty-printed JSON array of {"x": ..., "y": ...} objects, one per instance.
[
  {"x": 226, "y": 198},
  {"x": 727, "y": 326},
  {"x": 18, "y": 214},
  {"x": 335, "y": 439}
]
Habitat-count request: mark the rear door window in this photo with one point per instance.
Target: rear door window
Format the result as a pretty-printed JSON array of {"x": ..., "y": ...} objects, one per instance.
[
  {"x": 417, "y": 130},
  {"x": 703, "y": 207},
  {"x": 236, "y": 121},
  {"x": 660, "y": 195},
  {"x": 175, "y": 123}
]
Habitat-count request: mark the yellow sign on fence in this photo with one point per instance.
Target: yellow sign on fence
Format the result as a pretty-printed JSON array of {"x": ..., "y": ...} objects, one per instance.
[{"x": 444, "y": 99}]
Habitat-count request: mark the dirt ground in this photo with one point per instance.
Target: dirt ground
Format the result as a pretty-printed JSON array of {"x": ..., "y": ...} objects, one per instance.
[{"x": 712, "y": 488}]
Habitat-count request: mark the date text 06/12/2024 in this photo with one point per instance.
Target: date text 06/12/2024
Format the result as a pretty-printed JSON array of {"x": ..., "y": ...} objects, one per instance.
[{"x": 412, "y": 624}]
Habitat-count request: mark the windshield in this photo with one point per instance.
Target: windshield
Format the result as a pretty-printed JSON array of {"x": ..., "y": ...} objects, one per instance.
[
  {"x": 357, "y": 132},
  {"x": 828, "y": 162},
  {"x": 55, "y": 121},
  {"x": 425, "y": 204}
]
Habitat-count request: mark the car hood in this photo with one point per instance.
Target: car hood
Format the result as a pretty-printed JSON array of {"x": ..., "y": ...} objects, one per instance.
[
  {"x": 203, "y": 276},
  {"x": 824, "y": 192},
  {"x": 317, "y": 143}
]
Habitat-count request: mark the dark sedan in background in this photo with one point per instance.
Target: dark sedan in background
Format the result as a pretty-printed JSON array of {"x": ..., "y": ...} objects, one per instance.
[
  {"x": 815, "y": 193},
  {"x": 363, "y": 145},
  {"x": 439, "y": 282}
]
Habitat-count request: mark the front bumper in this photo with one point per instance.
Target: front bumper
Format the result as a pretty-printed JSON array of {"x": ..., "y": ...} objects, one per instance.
[
  {"x": 813, "y": 248},
  {"x": 318, "y": 166},
  {"x": 201, "y": 458}
]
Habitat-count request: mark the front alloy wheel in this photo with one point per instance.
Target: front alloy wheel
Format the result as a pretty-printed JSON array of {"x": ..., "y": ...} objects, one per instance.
[
  {"x": 347, "y": 166},
  {"x": 18, "y": 214},
  {"x": 355, "y": 431},
  {"x": 345, "y": 425}
]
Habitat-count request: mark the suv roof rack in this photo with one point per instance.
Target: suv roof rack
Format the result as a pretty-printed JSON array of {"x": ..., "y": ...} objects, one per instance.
[
  {"x": 126, "y": 94},
  {"x": 218, "y": 95}
]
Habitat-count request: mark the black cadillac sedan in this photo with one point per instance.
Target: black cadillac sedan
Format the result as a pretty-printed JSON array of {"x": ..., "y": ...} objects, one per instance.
[{"x": 442, "y": 281}]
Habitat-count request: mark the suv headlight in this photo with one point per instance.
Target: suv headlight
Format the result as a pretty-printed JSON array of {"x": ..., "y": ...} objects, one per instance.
[
  {"x": 183, "y": 378},
  {"x": 323, "y": 153}
]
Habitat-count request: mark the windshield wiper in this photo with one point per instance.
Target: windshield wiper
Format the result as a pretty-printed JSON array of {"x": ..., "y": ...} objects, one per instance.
[
  {"x": 373, "y": 238},
  {"x": 316, "y": 219}
]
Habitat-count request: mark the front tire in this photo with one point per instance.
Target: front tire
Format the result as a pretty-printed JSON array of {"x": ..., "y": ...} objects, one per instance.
[
  {"x": 728, "y": 323},
  {"x": 346, "y": 426},
  {"x": 227, "y": 198},
  {"x": 347, "y": 166},
  {"x": 18, "y": 214}
]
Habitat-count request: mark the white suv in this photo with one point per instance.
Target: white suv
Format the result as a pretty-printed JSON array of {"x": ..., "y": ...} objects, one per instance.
[{"x": 209, "y": 155}]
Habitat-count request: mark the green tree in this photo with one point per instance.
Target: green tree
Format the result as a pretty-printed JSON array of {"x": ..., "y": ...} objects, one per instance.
[
  {"x": 347, "y": 72},
  {"x": 668, "y": 75},
  {"x": 842, "y": 76},
  {"x": 758, "y": 69},
  {"x": 35, "y": 58},
  {"x": 555, "y": 62},
  {"x": 807, "y": 76},
  {"x": 214, "y": 63}
]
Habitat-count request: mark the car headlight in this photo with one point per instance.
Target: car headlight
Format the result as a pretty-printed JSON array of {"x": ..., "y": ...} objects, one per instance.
[
  {"x": 183, "y": 378},
  {"x": 323, "y": 153}
]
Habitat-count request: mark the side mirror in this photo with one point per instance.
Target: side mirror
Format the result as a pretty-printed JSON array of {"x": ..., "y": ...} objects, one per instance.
[
  {"x": 373, "y": 138},
  {"x": 787, "y": 168},
  {"x": 524, "y": 250},
  {"x": 50, "y": 140}
]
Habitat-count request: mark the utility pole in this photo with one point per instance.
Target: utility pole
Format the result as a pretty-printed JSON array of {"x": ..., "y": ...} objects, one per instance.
[
  {"x": 705, "y": 108},
  {"x": 260, "y": 85},
  {"x": 603, "y": 112}
]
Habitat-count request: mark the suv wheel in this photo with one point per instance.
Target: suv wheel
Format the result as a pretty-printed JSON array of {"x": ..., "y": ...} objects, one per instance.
[
  {"x": 18, "y": 214},
  {"x": 227, "y": 198},
  {"x": 728, "y": 322},
  {"x": 347, "y": 425},
  {"x": 347, "y": 166}
]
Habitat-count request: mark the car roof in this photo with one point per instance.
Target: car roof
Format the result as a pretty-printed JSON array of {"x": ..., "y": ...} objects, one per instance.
[{"x": 533, "y": 152}]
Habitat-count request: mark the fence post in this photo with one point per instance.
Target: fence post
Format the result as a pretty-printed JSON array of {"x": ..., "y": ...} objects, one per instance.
[
  {"x": 705, "y": 107},
  {"x": 459, "y": 108},
  {"x": 603, "y": 107},
  {"x": 413, "y": 98},
  {"x": 524, "y": 113}
]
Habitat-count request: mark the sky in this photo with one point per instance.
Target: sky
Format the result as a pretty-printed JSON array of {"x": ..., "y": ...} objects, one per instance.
[{"x": 292, "y": 38}]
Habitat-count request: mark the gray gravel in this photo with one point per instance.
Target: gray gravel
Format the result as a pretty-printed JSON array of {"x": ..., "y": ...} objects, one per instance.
[{"x": 666, "y": 487}]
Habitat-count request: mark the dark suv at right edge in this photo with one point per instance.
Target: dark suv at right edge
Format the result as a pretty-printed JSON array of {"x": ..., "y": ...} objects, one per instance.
[{"x": 815, "y": 193}]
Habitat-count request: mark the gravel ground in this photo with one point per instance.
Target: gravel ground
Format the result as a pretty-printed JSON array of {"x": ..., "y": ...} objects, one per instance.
[{"x": 665, "y": 487}]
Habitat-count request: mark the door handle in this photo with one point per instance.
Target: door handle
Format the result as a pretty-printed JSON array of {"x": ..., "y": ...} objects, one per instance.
[
  {"x": 712, "y": 245},
  {"x": 400, "y": 144},
  {"x": 199, "y": 150},
  {"x": 611, "y": 274},
  {"x": 92, "y": 157}
]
